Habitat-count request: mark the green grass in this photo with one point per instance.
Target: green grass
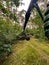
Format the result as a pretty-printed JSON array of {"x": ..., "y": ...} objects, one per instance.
[{"x": 32, "y": 52}]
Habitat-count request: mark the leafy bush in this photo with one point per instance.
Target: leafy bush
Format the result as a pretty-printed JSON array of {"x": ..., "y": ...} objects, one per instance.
[
  {"x": 29, "y": 31},
  {"x": 8, "y": 32}
]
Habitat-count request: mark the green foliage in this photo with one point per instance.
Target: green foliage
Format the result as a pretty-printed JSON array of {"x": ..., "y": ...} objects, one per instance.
[
  {"x": 29, "y": 31},
  {"x": 8, "y": 13},
  {"x": 16, "y": 2},
  {"x": 39, "y": 30},
  {"x": 13, "y": 16},
  {"x": 8, "y": 32},
  {"x": 8, "y": 29},
  {"x": 3, "y": 9}
]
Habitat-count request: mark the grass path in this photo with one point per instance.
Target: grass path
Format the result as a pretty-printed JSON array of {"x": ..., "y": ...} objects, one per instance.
[{"x": 32, "y": 52}]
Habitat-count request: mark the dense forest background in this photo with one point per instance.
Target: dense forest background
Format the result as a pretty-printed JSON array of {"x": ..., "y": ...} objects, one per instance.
[{"x": 11, "y": 24}]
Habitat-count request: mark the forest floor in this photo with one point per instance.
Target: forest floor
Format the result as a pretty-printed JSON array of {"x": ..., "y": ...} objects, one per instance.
[{"x": 32, "y": 52}]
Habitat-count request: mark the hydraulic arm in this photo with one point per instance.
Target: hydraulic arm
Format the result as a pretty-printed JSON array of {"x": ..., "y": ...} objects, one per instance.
[{"x": 33, "y": 4}]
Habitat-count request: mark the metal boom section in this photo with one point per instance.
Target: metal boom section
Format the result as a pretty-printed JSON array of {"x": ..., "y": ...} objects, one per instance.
[{"x": 33, "y": 4}]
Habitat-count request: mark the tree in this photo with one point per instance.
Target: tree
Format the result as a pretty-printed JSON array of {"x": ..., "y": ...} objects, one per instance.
[
  {"x": 9, "y": 5},
  {"x": 8, "y": 29}
]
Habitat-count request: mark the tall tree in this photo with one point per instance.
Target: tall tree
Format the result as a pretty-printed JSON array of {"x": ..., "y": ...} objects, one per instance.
[{"x": 8, "y": 9}]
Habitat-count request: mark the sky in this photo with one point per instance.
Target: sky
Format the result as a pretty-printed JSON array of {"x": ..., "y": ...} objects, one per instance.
[{"x": 25, "y": 7}]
